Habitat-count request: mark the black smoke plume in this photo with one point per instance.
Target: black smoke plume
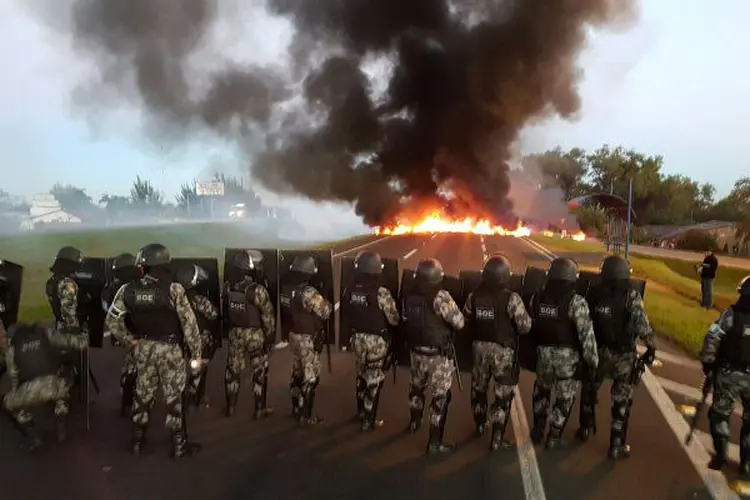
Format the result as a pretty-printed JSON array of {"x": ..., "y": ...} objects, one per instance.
[{"x": 467, "y": 76}]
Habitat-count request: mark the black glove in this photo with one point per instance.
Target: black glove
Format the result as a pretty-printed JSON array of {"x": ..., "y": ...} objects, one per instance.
[
  {"x": 649, "y": 356},
  {"x": 708, "y": 368}
]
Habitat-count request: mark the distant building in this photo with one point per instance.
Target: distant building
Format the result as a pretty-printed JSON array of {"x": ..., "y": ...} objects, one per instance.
[
  {"x": 46, "y": 210},
  {"x": 724, "y": 232}
]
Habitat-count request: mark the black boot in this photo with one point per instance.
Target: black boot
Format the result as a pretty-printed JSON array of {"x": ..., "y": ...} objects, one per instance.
[
  {"x": 307, "y": 416},
  {"x": 61, "y": 422},
  {"x": 231, "y": 404},
  {"x": 720, "y": 457},
  {"x": 537, "y": 432},
  {"x": 138, "y": 440},
  {"x": 370, "y": 420},
  {"x": 262, "y": 410},
  {"x": 554, "y": 438},
  {"x": 181, "y": 447},
  {"x": 498, "y": 440},
  {"x": 415, "y": 422},
  {"x": 618, "y": 449},
  {"x": 435, "y": 444}
]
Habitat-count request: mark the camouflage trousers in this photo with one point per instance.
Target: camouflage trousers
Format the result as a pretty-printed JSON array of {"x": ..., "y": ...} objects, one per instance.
[
  {"x": 305, "y": 367},
  {"x": 48, "y": 389},
  {"x": 555, "y": 369},
  {"x": 731, "y": 385},
  {"x": 159, "y": 365},
  {"x": 196, "y": 382},
  {"x": 492, "y": 362},
  {"x": 128, "y": 370},
  {"x": 370, "y": 352},
  {"x": 431, "y": 372},
  {"x": 617, "y": 367},
  {"x": 246, "y": 344}
]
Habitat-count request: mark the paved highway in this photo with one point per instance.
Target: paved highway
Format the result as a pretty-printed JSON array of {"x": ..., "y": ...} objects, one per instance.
[{"x": 272, "y": 459}]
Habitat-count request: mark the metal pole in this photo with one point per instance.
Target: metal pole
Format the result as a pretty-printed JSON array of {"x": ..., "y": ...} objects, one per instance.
[{"x": 630, "y": 209}]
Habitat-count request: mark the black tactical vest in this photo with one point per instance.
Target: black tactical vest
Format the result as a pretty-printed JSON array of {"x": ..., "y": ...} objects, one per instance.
[
  {"x": 34, "y": 354},
  {"x": 302, "y": 322},
  {"x": 241, "y": 310},
  {"x": 362, "y": 309},
  {"x": 53, "y": 297},
  {"x": 490, "y": 319},
  {"x": 611, "y": 319},
  {"x": 553, "y": 325},
  {"x": 735, "y": 348},
  {"x": 424, "y": 327},
  {"x": 109, "y": 292},
  {"x": 151, "y": 314}
]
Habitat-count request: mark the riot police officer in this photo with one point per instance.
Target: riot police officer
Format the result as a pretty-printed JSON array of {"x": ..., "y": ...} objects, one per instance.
[
  {"x": 205, "y": 312},
  {"x": 429, "y": 316},
  {"x": 125, "y": 271},
  {"x": 497, "y": 315},
  {"x": 252, "y": 322},
  {"x": 619, "y": 318},
  {"x": 564, "y": 334},
  {"x": 34, "y": 362},
  {"x": 726, "y": 358},
  {"x": 370, "y": 309},
  {"x": 154, "y": 315},
  {"x": 308, "y": 310}
]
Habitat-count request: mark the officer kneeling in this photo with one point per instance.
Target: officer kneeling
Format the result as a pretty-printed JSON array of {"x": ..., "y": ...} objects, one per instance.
[
  {"x": 369, "y": 309},
  {"x": 726, "y": 356},
  {"x": 35, "y": 362},
  {"x": 619, "y": 318},
  {"x": 429, "y": 315},
  {"x": 154, "y": 315},
  {"x": 564, "y": 334},
  {"x": 496, "y": 317}
]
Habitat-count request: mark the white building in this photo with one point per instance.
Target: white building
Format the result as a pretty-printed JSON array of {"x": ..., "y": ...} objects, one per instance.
[{"x": 45, "y": 209}]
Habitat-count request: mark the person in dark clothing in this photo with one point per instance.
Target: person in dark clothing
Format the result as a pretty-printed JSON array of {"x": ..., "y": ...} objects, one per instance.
[{"x": 707, "y": 272}]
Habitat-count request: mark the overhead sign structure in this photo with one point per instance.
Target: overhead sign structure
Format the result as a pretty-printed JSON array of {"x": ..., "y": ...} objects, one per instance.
[{"x": 212, "y": 188}]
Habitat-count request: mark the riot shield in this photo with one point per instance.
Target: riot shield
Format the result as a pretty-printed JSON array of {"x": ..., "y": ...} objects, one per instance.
[
  {"x": 516, "y": 283},
  {"x": 389, "y": 280},
  {"x": 587, "y": 281},
  {"x": 208, "y": 287},
  {"x": 533, "y": 281},
  {"x": 268, "y": 275},
  {"x": 453, "y": 286},
  {"x": 470, "y": 280},
  {"x": 91, "y": 280},
  {"x": 322, "y": 281},
  {"x": 639, "y": 285},
  {"x": 11, "y": 282}
]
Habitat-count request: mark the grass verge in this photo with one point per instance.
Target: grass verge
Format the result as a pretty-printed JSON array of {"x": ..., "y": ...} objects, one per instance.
[
  {"x": 673, "y": 300},
  {"x": 36, "y": 252}
]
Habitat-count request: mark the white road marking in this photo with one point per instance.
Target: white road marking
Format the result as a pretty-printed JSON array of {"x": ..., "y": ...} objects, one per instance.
[
  {"x": 688, "y": 392},
  {"x": 697, "y": 452},
  {"x": 530, "y": 475},
  {"x": 339, "y": 254},
  {"x": 410, "y": 254},
  {"x": 705, "y": 439},
  {"x": 673, "y": 359}
]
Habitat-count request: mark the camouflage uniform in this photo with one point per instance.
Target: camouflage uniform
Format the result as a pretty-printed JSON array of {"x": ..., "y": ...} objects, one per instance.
[
  {"x": 493, "y": 361},
  {"x": 306, "y": 362},
  {"x": 435, "y": 371},
  {"x": 370, "y": 353},
  {"x": 67, "y": 320},
  {"x": 617, "y": 366},
  {"x": 159, "y": 365},
  {"x": 197, "y": 384},
  {"x": 44, "y": 389},
  {"x": 556, "y": 370},
  {"x": 722, "y": 361},
  {"x": 128, "y": 369},
  {"x": 253, "y": 345}
]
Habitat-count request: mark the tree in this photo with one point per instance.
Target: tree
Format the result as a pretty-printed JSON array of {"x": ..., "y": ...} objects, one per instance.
[
  {"x": 566, "y": 170},
  {"x": 143, "y": 193},
  {"x": 188, "y": 201},
  {"x": 116, "y": 206},
  {"x": 75, "y": 201}
]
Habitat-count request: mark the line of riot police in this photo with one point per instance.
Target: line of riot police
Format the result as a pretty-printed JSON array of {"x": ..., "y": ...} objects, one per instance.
[{"x": 171, "y": 315}]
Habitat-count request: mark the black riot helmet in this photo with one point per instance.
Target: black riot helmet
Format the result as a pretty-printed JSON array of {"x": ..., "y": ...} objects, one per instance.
[
  {"x": 153, "y": 255},
  {"x": 429, "y": 271},
  {"x": 368, "y": 263},
  {"x": 304, "y": 264},
  {"x": 248, "y": 261},
  {"x": 70, "y": 254},
  {"x": 744, "y": 287},
  {"x": 189, "y": 275},
  {"x": 123, "y": 261},
  {"x": 614, "y": 268},
  {"x": 563, "y": 269},
  {"x": 496, "y": 270}
]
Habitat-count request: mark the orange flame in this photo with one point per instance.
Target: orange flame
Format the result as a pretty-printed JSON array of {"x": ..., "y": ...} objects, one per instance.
[{"x": 434, "y": 223}]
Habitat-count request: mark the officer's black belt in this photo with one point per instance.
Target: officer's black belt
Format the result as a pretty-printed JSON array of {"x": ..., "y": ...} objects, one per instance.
[{"x": 427, "y": 351}]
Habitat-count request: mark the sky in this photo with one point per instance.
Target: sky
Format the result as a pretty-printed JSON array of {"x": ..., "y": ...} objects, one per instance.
[{"x": 673, "y": 84}]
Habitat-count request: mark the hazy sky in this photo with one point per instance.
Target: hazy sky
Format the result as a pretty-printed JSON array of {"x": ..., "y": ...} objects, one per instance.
[{"x": 672, "y": 85}]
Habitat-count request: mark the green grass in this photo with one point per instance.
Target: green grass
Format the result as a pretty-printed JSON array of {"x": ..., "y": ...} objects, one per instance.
[
  {"x": 673, "y": 299},
  {"x": 36, "y": 252}
]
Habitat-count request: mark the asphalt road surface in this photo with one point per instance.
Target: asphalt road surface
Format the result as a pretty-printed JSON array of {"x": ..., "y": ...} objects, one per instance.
[{"x": 272, "y": 459}]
